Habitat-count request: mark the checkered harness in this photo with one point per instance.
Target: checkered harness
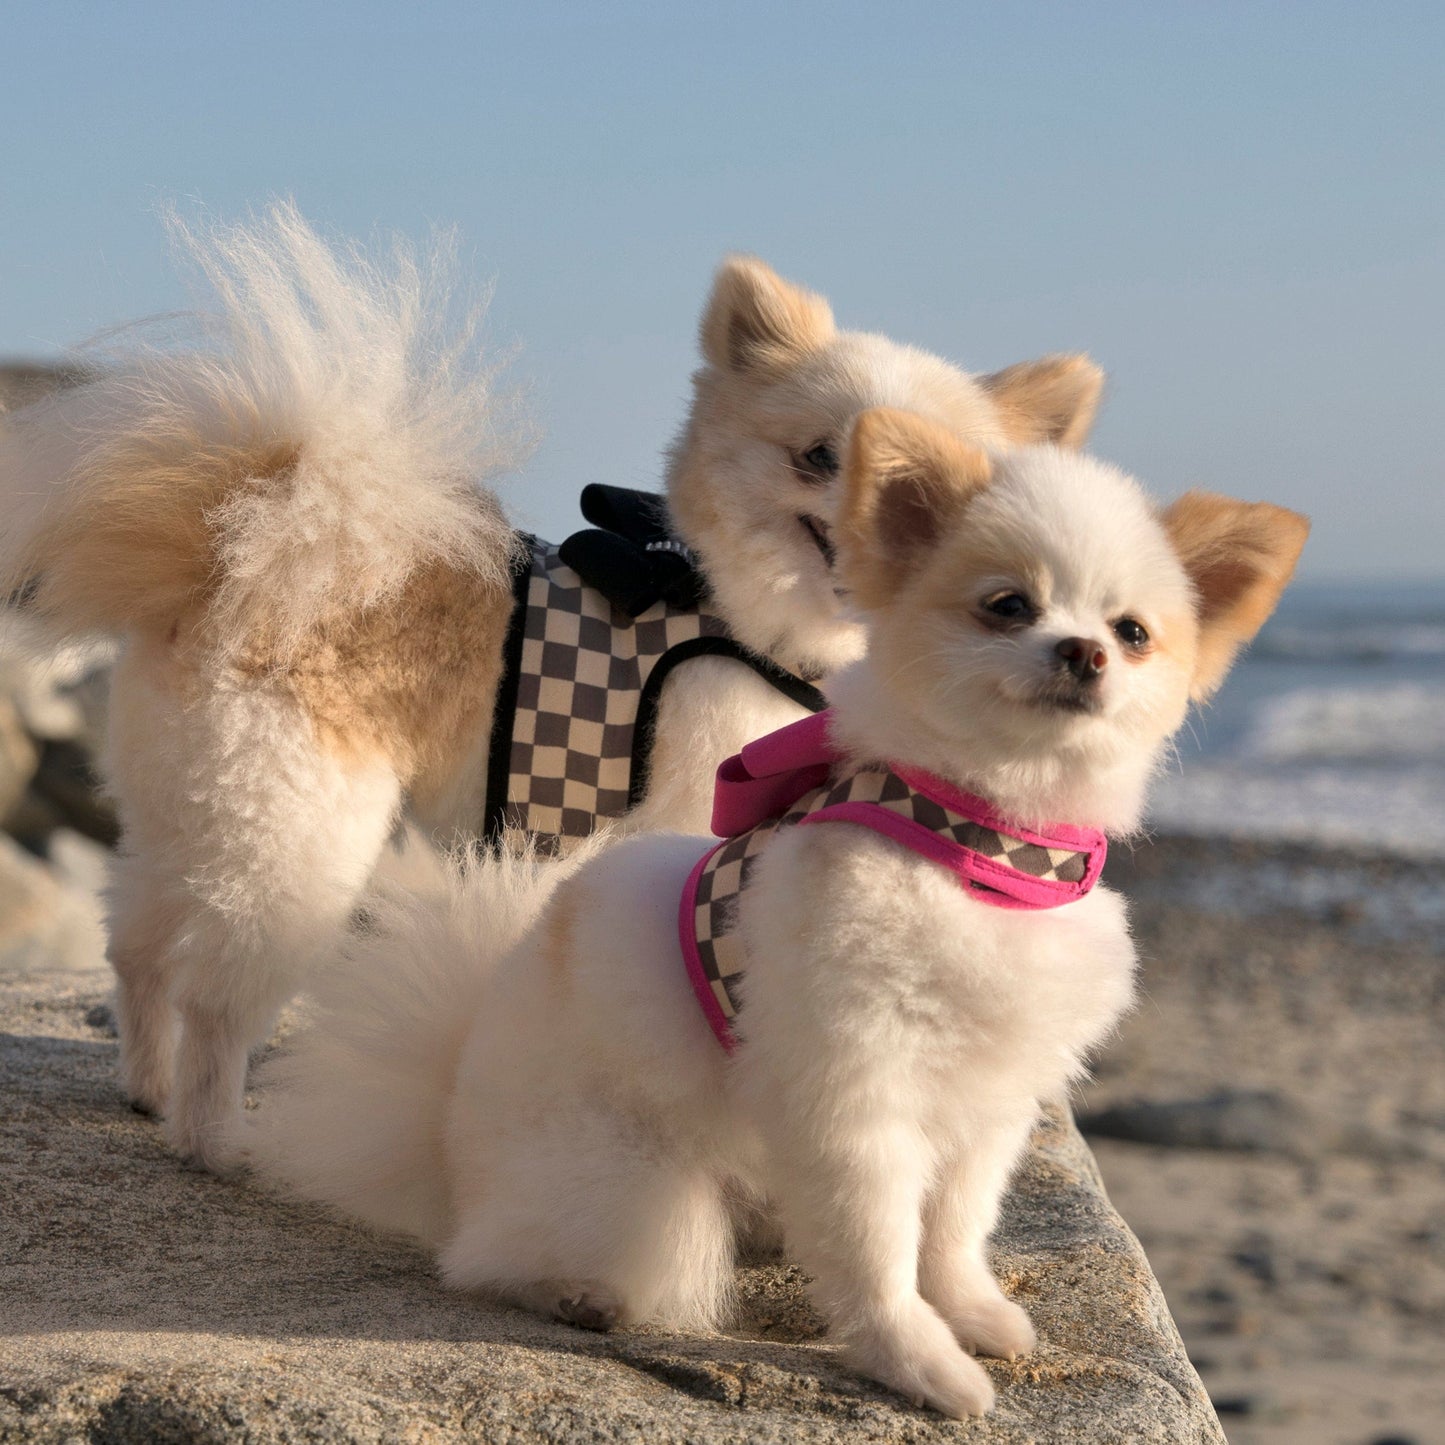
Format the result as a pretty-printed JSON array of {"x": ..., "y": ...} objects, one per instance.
[
  {"x": 996, "y": 861},
  {"x": 572, "y": 738}
]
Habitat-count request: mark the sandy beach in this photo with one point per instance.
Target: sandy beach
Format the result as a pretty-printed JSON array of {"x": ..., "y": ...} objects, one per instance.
[{"x": 1282, "y": 1081}]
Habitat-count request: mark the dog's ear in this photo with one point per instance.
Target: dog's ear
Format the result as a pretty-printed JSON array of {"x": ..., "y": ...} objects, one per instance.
[
  {"x": 905, "y": 480},
  {"x": 755, "y": 319},
  {"x": 1239, "y": 556},
  {"x": 1050, "y": 400}
]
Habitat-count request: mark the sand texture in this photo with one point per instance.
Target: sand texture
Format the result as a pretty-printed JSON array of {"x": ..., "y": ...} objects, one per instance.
[{"x": 1286, "y": 1172}]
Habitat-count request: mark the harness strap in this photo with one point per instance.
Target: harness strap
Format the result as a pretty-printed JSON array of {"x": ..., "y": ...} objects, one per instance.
[
  {"x": 499, "y": 748},
  {"x": 644, "y": 733}
]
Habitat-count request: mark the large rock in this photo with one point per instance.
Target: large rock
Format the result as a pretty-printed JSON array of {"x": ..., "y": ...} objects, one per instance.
[
  {"x": 142, "y": 1302},
  {"x": 53, "y": 702},
  {"x": 1253, "y": 1120},
  {"x": 50, "y": 914},
  {"x": 19, "y": 757}
]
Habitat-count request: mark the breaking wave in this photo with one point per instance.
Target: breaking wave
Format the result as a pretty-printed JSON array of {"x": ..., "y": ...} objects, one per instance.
[{"x": 1396, "y": 724}]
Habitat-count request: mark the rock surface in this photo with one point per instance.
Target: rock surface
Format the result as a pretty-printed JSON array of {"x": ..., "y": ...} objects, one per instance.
[{"x": 142, "y": 1302}]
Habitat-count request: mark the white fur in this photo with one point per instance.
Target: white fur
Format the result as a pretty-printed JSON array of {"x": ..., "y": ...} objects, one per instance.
[
  {"x": 396, "y": 1042},
  {"x": 897, "y": 1033},
  {"x": 379, "y": 371},
  {"x": 1096, "y": 552}
]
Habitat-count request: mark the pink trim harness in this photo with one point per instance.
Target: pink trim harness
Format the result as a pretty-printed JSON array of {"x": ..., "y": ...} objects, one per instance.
[{"x": 790, "y": 777}]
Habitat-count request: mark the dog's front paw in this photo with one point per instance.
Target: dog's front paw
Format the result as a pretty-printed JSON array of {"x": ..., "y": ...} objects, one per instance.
[
  {"x": 954, "y": 1385},
  {"x": 996, "y": 1327},
  {"x": 923, "y": 1362}
]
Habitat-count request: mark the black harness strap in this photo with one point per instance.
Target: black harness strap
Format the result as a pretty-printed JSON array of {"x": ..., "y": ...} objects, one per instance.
[
  {"x": 644, "y": 730},
  {"x": 499, "y": 755}
]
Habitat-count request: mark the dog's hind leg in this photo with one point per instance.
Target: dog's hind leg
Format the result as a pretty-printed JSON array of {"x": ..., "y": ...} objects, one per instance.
[
  {"x": 244, "y": 959},
  {"x": 248, "y": 836},
  {"x": 565, "y": 1208},
  {"x": 248, "y": 943},
  {"x": 143, "y": 929}
]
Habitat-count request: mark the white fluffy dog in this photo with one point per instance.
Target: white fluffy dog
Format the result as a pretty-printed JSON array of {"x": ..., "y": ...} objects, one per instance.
[
  {"x": 558, "y": 1118},
  {"x": 289, "y": 531}
]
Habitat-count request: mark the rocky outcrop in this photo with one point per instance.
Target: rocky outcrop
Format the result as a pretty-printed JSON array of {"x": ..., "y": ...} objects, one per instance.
[{"x": 143, "y": 1302}]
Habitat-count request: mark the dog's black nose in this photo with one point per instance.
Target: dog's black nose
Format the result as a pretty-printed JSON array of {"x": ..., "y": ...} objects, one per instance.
[{"x": 1084, "y": 657}]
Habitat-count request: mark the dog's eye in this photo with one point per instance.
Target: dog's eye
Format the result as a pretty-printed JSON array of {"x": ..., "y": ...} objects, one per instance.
[
  {"x": 1010, "y": 607},
  {"x": 1130, "y": 632},
  {"x": 820, "y": 459}
]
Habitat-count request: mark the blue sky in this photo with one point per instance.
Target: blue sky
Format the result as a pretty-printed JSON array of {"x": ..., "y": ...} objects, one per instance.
[{"x": 1239, "y": 209}]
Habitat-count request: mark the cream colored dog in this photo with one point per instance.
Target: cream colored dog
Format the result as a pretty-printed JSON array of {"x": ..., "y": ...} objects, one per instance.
[
  {"x": 289, "y": 531},
  {"x": 559, "y": 1120}
]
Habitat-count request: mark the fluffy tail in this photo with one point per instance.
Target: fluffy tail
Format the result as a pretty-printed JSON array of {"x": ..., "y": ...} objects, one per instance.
[
  {"x": 326, "y": 441},
  {"x": 352, "y": 1114}
]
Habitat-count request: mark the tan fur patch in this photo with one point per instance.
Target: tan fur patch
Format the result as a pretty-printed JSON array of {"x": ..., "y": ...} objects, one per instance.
[
  {"x": 1173, "y": 642},
  {"x": 413, "y": 679},
  {"x": 1239, "y": 556},
  {"x": 146, "y": 552},
  {"x": 1053, "y": 399},
  {"x": 905, "y": 481},
  {"x": 755, "y": 318},
  {"x": 953, "y": 577}
]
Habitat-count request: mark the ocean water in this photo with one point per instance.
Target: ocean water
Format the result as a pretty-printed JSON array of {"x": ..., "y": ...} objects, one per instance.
[{"x": 1330, "y": 730}]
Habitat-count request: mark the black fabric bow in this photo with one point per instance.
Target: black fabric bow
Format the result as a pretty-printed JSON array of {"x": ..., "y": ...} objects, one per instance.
[{"x": 629, "y": 555}]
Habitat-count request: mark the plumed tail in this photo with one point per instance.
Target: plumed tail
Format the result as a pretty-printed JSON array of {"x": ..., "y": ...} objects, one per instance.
[
  {"x": 326, "y": 439},
  {"x": 352, "y": 1114}
]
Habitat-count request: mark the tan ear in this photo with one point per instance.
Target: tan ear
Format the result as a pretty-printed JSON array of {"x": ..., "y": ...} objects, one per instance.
[
  {"x": 1050, "y": 400},
  {"x": 756, "y": 319},
  {"x": 904, "y": 481},
  {"x": 1240, "y": 556}
]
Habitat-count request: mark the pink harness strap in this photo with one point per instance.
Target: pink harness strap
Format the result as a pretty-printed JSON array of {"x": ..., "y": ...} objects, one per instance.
[
  {"x": 786, "y": 779},
  {"x": 768, "y": 776}
]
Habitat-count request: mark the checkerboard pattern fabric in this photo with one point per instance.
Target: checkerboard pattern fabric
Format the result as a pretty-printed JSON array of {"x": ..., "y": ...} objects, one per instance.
[
  {"x": 888, "y": 790},
  {"x": 724, "y": 875},
  {"x": 583, "y": 668},
  {"x": 720, "y": 886}
]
